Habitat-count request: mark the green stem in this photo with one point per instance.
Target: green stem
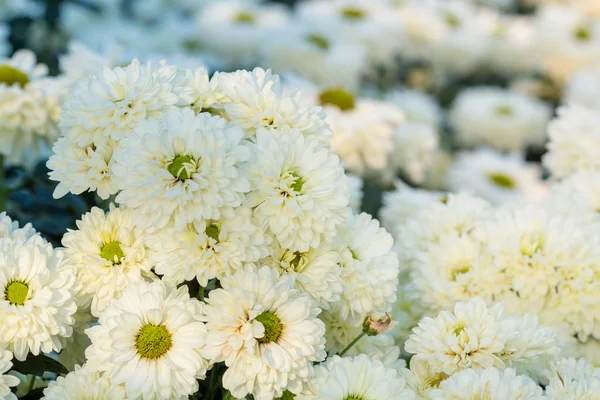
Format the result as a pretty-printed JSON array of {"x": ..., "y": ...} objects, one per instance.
[
  {"x": 352, "y": 343},
  {"x": 31, "y": 384},
  {"x": 200, "y": 295}
]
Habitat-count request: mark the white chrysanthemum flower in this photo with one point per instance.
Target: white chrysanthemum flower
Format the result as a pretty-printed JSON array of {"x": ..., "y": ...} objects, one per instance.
[
  {"x": 181, "y": 169},
  {"x": 29, "y": 108},
  {"x": 83, "y": 383},
  {"x": 37, "y": 296},
  {"x": 567, "y": 39},
  {"x": 404, "y": 202},
  {"x": 578, "y": 195},
  {"x": 422, "y": 379},
  {"x": 207, "y": 249},
  {"x": 574, "y": 141},
  {"x": 369, "y": 268},
  {"x": 356, "y": 378},
  {"x": 236, "y": 30},
  {"x": 205, "y": 90},
  {"x": 499, "y": 118},
  {"x": 109, "y": 253},
  {"x": 490, "y": 383},
  {"x": 417, "y": 106},
  {"x": 7, "y": 381},
  {"x": 512, "y": 45},
  {"x": 583, "y": 88},
  {"x": 315, "y": 272},
  {"x": 496, "y": 177},
  {"x": 11, "y": 229},
  {"x": 80, "y": 61},
  {"x": 150, "y": 341},
  {"x": 316, "y": 54},
  {"x": 265, "y": 331},
  {"x": 548, "y": 264},
  {"x": 299, "y": 190},
  {"x": 256, "y": 100},
  {"x": 356, "y": 192},
  {"x": 572, "y": 379},
  {"x": 415, "y": 146},
  {"x": 80, "y": 169},
  {"x": 111, "y": 103}
]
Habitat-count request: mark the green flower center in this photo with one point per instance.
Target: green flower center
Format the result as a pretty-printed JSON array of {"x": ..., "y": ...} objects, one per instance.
[
  {"x": 502, "y": 180},
  {"x": 505, "y": 111},
  {"x": 182, "y": 167},
  {"x": 16, "y": 293},
  {"x": 583, "y": 34},
  {"x": 353, "y": 253},
  {"x": 458, "y": 329},
  {"x": 272, "y": 325},
  {"x": 353, "y": 14},
  {"x": 452, "y": 20},
  {"x": 212, "y": 231},
  {"x": 338, "y": 97},
  {"x": 244, "y": 17},
  {"x": 153, "y": 341},
  {"x": 112, "y": 252},
  {"x": 12, "y": 76},
  {"x": 318, "y": 41},
  {"x": 354, "y": 397},
  {"x": 460, "y": 271}
]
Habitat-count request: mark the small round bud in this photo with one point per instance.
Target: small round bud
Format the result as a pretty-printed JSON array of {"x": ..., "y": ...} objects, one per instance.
[{"x": 377, "y": 323}]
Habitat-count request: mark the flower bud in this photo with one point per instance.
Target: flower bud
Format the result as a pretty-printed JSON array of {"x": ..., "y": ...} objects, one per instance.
[{"x": 377, "y": 323}]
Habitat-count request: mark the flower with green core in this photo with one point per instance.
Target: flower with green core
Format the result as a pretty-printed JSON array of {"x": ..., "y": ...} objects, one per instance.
[
  {"x": 182, "y": 167},
  {"x": 16, "y": 293},
  {"x": 153, "y": 341},
  {"x": 112, "y": 252},
  {"x": 272, "y": 325},
  {"x": 318, "y": 41},
  {"x": 10, "y": 75},
  {"x": 337, "y": 97},
  {"x": 502, "y": 180}
]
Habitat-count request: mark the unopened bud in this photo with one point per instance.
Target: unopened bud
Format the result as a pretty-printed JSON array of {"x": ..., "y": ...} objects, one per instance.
[{"x": 377, "y": 323}]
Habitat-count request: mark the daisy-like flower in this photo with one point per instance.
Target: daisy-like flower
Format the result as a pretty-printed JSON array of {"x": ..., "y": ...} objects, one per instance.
[
  {"x": 181, "y": 169},
  {"x": 422, "y": 379},
  {"x": 265, "y": 331},
  {"x": 7, "y": 381},
  {"x": 149, "y": 341},
  {"x": 112, "y": 102},
  {"x": 83, "y": 383},
  {"x": 496, "y": 177},
  {"x": 205, "y": 90},
  {"x": 299, "y": 190},
  {"x": 257, "y": 100},
  {"x": 359, "y": 377},
  {"x": 10, "y": 228},
  {"x": 499, "y": 118},
  {"x": 478, "y": 337},
  {"x": 36, "y": 296},
  {"x": 574, "y": 141},
  {"x": 207, "y": 249},
  {"x": 108, "y": 253},
  {"x": 369, "y": 268},
  {"x": 80, "y": 169},
  {"x": 490, "y": 383},
  {"x": 572, "y": 379},
  {"x": 29, "y": 108},
  {"x": 415, "y": 147},
  {"x": 316, "y": 272}
]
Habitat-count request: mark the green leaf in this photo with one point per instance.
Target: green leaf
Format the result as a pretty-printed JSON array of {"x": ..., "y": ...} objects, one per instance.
[
  {"x": 37, "y": 365},
  {"x": 33, "y": 395}
]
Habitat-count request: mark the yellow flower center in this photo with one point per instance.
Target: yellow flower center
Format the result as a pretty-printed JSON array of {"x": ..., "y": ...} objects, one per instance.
[
  {"x": 182, "y": 167},
  {"x": 112, "y": 252},
  {"x": 13, "y": 76},
  {"x": 504, "y": 110},
  {"x": 272, "y": 325},
  {"x": 452, "y": 20},
  {"x": 435, "y": 380},
  {"x": 458, "y": 329},
  {"x": 502, "y": 180},
  {"x": 338, "y": 97},
  {"x": 244, "y": 17},
  {"x": 582, "y": 34},
  {"x": 318, "y": 41},
  {"x": 153, "y": 341},
  {"x": 460, "y": 271},
  {"x": 16, "y": 293}
]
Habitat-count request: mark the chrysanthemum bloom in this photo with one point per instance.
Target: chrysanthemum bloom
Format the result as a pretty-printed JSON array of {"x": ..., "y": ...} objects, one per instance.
[
  {"x": 36, "y": 296},
  {"x": 490, "y": 383},
  {"x": 478, "y": 337},
  {"x": 256, "y": 100},
  {"x": 84, "y": 384},
  {"x": 316, "y": 272},
  {"x": 7, "y": 381},
  {"x": 299, "y": 189},
  {"x": 108, "y": 253},
  {"x": 184, "y": 168},
  {"x": 207, "y": 249},
  {"x": 112, "y": 102},
  {"x": 369, "y": 268},
  {"x": 150, "y": 341},
  {"x": 572, "y": 379},
  {"x": 356, "y": 378},
  {"x": 79, "y": 169},
  {"x": 29, "y": 108},
  {"x": 265, "y": 331}
]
